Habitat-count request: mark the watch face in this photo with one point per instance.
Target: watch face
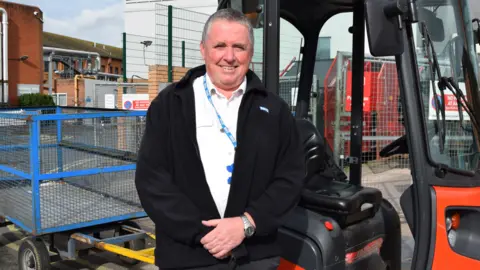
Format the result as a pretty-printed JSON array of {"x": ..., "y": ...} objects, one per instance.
[{"x": 250, "y": 231}]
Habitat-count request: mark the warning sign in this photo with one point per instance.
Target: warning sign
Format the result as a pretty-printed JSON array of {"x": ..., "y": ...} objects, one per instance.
[
  {"x": 137, "y": 102},
  {"x": 451, "y": 104}
]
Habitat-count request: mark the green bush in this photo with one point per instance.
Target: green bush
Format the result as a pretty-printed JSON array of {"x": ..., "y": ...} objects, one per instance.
[{"x": 36, "y": 99}]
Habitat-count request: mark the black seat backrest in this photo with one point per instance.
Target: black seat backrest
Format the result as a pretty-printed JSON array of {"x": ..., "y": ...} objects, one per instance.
[
  {"x": 321, "y": 169},
  {"x": 313, "y": 146}
]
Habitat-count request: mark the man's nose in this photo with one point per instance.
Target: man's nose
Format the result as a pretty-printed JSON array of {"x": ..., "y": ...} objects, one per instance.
[{"x": 229, "y": 55}]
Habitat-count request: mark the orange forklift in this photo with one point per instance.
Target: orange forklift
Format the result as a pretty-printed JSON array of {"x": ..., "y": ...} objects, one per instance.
[{"x": 341, "y": 224}]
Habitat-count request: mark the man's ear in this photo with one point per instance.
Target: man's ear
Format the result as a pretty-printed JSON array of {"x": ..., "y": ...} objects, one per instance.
[{"x": 202, "y": 50}]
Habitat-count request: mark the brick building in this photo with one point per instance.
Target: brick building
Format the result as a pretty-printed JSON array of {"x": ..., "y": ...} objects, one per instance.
[
  {"x": 24, "y": 61},
  {"x": 110, "y": 56},
  {"x": 33, "y": 52},
  {"x": 72, "y": 61}
]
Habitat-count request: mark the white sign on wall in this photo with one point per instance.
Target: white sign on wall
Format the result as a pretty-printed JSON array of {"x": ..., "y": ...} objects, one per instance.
[
  {"x": 135, "y": 101},
  {"x": 110, "y": 101}
]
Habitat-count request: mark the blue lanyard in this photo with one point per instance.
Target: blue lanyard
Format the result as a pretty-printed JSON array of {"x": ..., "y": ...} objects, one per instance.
[{"x": 224, "y": 127}]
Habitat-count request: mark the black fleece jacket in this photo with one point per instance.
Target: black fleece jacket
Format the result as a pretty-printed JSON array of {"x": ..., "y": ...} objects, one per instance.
[{"x": 266, "y": 182}]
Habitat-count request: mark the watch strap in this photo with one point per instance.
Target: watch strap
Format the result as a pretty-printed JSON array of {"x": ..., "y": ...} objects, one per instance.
[{"x": 246, "y": 224}]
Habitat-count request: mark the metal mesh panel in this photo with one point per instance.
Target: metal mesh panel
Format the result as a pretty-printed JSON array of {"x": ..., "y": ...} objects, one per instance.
[
  {"x": 89, "y": 143},
  {"x": 138, "y": 56},
  {"x": 87, "y": 198},
  {"x": 187, "y": 27},
  {"x": 16, "y": 198},
  {"x": 382, "y": 123},
  {"x": 78, "y": 150},
  {"x": 382, "y": 115},
  {"x": 288, "y": 91},
  {"x": 144, "y": 51},
  {"x": 14, "y": 141}
]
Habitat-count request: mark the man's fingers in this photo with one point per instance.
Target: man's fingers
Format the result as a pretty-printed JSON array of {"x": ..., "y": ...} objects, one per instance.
[
  {"x": 226, "y": 255},
  {"x": 208, "y": 237},
  {"x": 210, "y": 245},
  {"x": 221, "y": 254},
  {"x": 211, "y": 223},
  {"x": 214, "y": 249}
]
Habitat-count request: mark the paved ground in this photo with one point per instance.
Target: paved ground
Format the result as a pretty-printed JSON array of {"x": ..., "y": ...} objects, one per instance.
[{"x": 391, "y": 183}]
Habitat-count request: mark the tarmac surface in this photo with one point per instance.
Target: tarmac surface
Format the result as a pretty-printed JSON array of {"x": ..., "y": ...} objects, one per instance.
[{"x": 391, "y": 183}]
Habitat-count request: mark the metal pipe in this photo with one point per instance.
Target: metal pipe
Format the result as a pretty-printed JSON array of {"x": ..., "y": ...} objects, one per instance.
[
  {"x": 109, "y": 74},
  {"x": 2, "y": 97},
  {"x": 4, "y": 55},
  {"x": 50, "y": 73},
  {"x": 77, "y": 52},
  {"x": 122, "y": 84},
  {"x": 75, "y": 82}
]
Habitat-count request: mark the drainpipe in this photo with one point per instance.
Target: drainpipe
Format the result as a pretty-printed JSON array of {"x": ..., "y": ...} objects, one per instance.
[
  {"x": 50, "y": 73},
  {"x": 4, "y": 58},
  {"x": 77, "y": 52}
]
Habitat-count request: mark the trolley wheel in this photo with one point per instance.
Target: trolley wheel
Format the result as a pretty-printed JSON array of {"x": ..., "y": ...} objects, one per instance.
[
  {"x": 33, "y": 254},
  {"x": 137, "y": 244}
]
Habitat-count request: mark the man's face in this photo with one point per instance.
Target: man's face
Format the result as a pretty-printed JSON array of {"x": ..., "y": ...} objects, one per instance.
[{"x": 227, "y": 52}]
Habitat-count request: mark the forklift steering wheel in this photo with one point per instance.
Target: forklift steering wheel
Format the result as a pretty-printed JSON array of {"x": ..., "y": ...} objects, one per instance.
[{"x": 399, "y": 146}]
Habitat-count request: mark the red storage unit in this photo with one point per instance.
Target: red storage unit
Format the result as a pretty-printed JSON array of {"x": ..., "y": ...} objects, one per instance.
[
  {"x": 389, "y": 125},
  {"x": 381, "y": 113},
  {"x": 330, "y": 104}
]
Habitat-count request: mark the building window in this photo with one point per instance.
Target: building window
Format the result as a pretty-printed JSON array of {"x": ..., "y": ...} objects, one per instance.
[
  {"x": 116, "y": 70},
  {"x": 102, "y": 69},
  {"x": 323, "y": 48},
  {"x": 60, "y": 99}
]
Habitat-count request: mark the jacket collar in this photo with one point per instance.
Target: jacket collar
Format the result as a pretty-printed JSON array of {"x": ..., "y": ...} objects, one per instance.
[{"x": 253, "y": 81}]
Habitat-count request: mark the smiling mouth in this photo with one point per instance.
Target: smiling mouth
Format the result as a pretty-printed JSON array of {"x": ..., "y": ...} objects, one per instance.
[{"x": 228, "y": 68}]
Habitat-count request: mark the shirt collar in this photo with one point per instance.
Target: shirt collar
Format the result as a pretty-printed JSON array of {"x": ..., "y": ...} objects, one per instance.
[{"x": 238, "y": 92}]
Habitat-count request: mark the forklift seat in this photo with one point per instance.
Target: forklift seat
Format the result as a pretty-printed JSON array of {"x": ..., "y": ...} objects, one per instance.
[{"x": 345, "y": 202}]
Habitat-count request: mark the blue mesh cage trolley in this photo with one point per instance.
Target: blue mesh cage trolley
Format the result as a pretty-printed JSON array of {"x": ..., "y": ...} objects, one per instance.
[{"x": 71, "y": 170}]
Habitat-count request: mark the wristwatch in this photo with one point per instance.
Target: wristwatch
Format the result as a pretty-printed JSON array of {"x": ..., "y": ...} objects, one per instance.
[{"x": 247, "y": 226}]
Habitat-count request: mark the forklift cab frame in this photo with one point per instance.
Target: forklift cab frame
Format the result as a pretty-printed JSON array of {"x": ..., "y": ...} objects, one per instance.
[{"x": 442, "y": 206}]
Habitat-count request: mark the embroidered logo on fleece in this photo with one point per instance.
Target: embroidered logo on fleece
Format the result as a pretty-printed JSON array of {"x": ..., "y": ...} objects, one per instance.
[
  {"x": 230, "y": 170},
  {"x": 264, "y": 109}
]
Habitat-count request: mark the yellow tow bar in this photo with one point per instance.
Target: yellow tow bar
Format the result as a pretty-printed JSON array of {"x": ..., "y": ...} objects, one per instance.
[{"x": 111, "y": 244}]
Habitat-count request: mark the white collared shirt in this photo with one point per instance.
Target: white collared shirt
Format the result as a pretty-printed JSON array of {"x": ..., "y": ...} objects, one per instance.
[{"x": 216, "y": 149}]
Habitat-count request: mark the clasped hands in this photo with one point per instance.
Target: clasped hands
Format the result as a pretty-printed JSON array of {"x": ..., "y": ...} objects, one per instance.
[{"x": 227, "y": 235}]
